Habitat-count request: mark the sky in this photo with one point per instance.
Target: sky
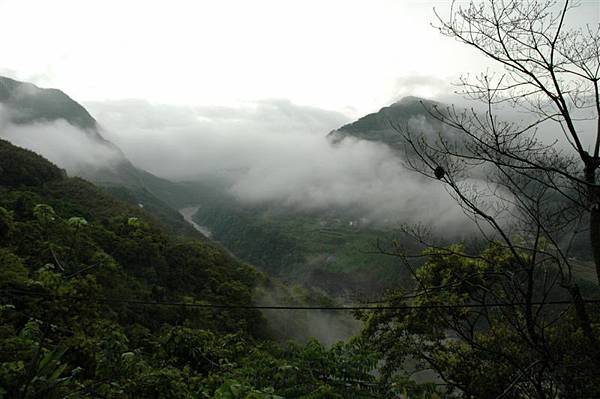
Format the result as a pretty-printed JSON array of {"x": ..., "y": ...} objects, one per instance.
[{"x": 346, "y": 56}]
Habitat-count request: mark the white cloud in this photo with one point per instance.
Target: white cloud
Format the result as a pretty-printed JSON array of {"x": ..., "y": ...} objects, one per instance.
[
  {"x": 61, "y": 143},
  {"x": 277, "y": 152}
]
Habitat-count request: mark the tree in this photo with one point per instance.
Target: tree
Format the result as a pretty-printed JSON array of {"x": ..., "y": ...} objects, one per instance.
[
  {"x": 528, "y": 193},
  {"x": 468, "y": 322},
  {"x": 550, "y": 73}
]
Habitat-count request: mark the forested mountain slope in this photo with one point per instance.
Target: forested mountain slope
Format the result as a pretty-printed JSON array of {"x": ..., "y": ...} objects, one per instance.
[
  {"x": 331, "y": 250},
  {"x": 33, "y": 104},
  {"x": 30, "y": 110},
  {"x": 382, "y": 126},
  {"x": 81, "y": 276}
]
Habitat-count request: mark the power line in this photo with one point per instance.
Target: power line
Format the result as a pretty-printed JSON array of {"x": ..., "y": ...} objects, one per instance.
[{"x": 285, "y": 307}]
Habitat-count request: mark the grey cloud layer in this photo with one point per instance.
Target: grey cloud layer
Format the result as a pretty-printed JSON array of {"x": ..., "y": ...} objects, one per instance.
[
  {"x": 274, "y": 151},
  {"x": 63, "y": 144}
]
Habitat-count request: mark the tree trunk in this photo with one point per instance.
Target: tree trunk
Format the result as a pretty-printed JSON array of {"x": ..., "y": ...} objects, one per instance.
[
  {"x": 585, "y": 323},
  {"x": 593, "y": 194},
  {"x": 595, "y": 238}
]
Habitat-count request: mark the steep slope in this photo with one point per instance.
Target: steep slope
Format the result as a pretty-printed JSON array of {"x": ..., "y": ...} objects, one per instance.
[
  {"x": 96, "y": 299},
  {"x": 32, "y": 104},
  {"x": 25, "y": 104},
  {"x": 79, "y": 222},
  {"x": 411, "y": 112},
  {"x": 25, "y": 168}
]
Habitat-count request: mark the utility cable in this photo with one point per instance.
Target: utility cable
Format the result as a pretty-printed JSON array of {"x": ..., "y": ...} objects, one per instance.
[{"x": 286, "y": 307}]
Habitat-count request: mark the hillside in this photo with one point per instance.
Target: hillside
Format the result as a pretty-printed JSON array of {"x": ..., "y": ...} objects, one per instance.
[
  {"x": 98, "y": 299},
  {"x": 104, "y": 226},
  {"x": 381, "y": 126},
  {"x": 330, "y": 250},
  {"x": 28, "y": 105},
  {"x": 87, "y": 288},
  {"x": 62, "y": 236},
  {"x": 34, "y": 104}
]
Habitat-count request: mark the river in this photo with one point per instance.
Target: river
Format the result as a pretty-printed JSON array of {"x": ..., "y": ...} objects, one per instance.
[{"x": 187, "y": 214}]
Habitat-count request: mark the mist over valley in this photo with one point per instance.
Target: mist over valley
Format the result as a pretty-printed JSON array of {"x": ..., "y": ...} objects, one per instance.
[{"x": 268, "y": 200}]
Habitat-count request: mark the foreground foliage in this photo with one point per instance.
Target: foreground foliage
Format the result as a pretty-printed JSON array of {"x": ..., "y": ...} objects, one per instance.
[{"x": 465, "y": 325}]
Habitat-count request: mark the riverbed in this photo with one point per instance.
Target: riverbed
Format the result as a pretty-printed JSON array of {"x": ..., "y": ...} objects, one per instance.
[{"x": 188, "y": 213}]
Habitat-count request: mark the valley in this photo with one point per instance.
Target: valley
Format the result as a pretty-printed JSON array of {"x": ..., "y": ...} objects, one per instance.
[
  {"x": 275, "y": 200},
  {"x": 188, "y": 214},
  {"x": 320, "y": 250}
]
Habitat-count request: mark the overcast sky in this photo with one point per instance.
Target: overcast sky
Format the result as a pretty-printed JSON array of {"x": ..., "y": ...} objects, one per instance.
[{"x": 347, "y": 56}]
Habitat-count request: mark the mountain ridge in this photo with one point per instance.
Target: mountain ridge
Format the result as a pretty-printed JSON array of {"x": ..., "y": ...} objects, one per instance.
[
  {"x": 29, "y": 104},
  {"x": 381, "y": 126},
  {"x": 44, "y": 104}
]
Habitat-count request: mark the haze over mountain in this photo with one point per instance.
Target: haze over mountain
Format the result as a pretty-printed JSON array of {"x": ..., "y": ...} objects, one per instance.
[
  {"x": 50, "y": 123},
  {"x": 265, "y": 161},
  {"x": 407, "y": 113},
  {"x": 275, "y": 152},
  {"x": 269, "y": 152}
]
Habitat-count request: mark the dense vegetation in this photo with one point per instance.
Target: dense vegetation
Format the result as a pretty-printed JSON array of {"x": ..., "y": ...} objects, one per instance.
[
  {"x": 489, "y": 350},
  {"x": 70, "y": 256},
  {"x": 86, "y": 282},
  {"x": 331, "y": 250}
]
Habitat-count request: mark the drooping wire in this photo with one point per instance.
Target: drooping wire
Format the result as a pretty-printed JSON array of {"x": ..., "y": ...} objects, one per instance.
[{"x": 129, "y": 301}]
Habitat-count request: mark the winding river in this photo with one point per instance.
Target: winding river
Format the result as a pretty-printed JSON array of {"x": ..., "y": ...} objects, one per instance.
[{"x": 188, "y": 213}]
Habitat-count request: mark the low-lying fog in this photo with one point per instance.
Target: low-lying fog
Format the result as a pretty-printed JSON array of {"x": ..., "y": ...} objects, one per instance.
[{"x": 274, "y": 151}]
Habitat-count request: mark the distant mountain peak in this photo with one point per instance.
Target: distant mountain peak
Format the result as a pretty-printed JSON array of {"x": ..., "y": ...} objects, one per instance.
[
  {"x": 408, "y": 100},
  {"x": 91, "y": 156},
  {"x": 412, "y": 100},
  {"x": 35, "y": 104},
  {"x": 378, "y": 127}
]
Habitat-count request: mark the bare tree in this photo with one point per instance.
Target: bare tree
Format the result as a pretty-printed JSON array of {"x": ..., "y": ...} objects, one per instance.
[
  {"x": 552, "y": 75},
  {"x": 528, "y": 193}
]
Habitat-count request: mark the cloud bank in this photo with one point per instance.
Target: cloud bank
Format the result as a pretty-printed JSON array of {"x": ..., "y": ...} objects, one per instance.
[
  {"x": 65, "y": 145},
  {"x": 275, "y": 152}
]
